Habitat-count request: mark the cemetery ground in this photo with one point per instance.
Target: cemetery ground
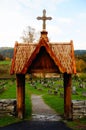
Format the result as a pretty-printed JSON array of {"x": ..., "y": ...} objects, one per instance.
[{"x": 50, "y": 89}]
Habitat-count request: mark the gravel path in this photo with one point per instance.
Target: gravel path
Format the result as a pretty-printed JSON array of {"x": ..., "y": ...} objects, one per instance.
[
  {"x": 43, "y": 118},
  {"x": 41, "y": 111}
]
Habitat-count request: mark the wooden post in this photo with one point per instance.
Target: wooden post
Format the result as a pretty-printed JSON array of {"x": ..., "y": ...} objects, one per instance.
[
  {"x": 67, "y": 95},
  {"x": 20, "y": 95}
]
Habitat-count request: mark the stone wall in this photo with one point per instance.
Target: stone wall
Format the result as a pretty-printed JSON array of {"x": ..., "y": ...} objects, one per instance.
[
  {"x": 78, "y": 109},
  {"x": 7, "y": 107}
]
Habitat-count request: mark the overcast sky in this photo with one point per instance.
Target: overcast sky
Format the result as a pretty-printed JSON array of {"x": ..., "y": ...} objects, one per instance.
[{"x": 68, "y": 20}]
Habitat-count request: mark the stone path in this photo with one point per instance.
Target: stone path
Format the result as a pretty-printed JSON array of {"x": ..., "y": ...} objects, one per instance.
[{"x": 41, "y": 111}]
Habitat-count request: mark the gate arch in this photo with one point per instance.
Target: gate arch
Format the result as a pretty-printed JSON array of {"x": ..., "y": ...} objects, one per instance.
[{"x": 43, "y": 57}]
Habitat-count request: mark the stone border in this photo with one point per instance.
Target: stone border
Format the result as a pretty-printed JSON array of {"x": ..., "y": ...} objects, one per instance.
[
  {"x": 8, "y": 107},
  {"x": 78, "y": 109}
]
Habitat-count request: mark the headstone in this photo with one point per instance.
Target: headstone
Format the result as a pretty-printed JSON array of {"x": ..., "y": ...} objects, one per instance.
[
  {"x": 49, "y": 91},
  {"x": 35, "y": 86},
  {"x": 81, "y": 85},
  {"x": 2, "y": 89},
  {"x": 61, "y": 94},
  {"x": 84, "y": 94},
  {"x": 40, "y": 89},
  {"x": 73, "y": 90},
  {"x": 56, "y": 89},
  {"x": 55, "y": 92}
]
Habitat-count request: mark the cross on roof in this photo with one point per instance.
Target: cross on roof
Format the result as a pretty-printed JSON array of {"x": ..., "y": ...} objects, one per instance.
[{"x": 44, "y": 18}]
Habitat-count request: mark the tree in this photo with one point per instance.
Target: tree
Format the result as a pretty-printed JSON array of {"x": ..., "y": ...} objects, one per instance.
[
  {"x": 80, "y": 65},
  {"x": 1, "y": 57},
  {"x": 29, "y": 35}
]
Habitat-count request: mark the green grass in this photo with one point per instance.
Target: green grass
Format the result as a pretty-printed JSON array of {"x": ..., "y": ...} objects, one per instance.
[
  {"x": 10, "y": 93},
  {"x": 37, "y": 91},
  {"x": 10, "y": 90},
  {"x": 6, "y": 120},
  {"x": 28, "y": 104},
  {"x": 5, "y": 70},
  {"x": 4, "y": 62},
  {"x": 55, "y": 101},
  {"x": 79, "y": 124}
]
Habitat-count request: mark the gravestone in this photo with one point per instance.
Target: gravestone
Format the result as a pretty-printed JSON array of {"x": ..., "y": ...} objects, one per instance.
[
  {"x": 73, "y": 90},
  {"x": 82, "y": 85},
  {"x": 84, "y": 94},
  {"x": 49, "y": 91},
  {"x": 61, "y": 94},
  {"x": 55, "y": 92}
]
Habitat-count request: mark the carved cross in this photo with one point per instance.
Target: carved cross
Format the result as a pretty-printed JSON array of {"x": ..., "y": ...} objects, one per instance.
[{"x": 44, "y": 18}]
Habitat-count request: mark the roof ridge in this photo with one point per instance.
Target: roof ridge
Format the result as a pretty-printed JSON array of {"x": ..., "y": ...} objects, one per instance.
[{"x": 43, "y": 42}]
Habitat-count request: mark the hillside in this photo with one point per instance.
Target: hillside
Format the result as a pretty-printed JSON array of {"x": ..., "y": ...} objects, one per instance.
[
  {"x": 80, "y": 57},
  {"x": 80, "y": 52},
  {"x": 8, "y": 52}
]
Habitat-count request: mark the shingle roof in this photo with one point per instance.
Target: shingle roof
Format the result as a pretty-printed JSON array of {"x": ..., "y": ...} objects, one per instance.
[{"x": 61, "y": 53}]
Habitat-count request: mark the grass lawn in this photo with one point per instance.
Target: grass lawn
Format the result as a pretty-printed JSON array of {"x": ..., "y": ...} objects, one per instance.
[
  {"x": 78, "y": 124},
  {"x": 55, "y": 101},
  {"x": 10, "y": 93},
  {"x": 5, "y": 70},
  {"x": 4, "y": 62}
]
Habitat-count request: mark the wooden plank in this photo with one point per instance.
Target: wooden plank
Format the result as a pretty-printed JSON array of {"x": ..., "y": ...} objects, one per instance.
[
  {"x": 67, "y": 95},
  {"x": 43, "y": 63},
  {"x": 20, "y": 95}
]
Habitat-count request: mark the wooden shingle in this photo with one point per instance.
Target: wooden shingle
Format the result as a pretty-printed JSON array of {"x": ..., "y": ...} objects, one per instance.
[{"x": 61, "y": 53}]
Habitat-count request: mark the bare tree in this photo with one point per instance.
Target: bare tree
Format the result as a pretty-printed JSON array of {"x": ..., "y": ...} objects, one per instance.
[{"x": 29, "y": 35}]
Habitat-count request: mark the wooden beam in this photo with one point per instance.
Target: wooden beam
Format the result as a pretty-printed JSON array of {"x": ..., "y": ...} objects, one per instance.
[
  {"x": 67, "y": 95},
  {"x": 44, "y": 71},
  {"x": 20, "y": 95}
]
